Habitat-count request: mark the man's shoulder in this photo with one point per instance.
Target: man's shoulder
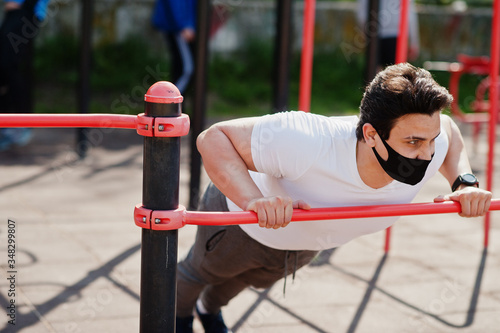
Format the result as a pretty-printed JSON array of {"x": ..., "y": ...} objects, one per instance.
[
  {"x": 309, "y": 123},
  {"x": 349, "y": 119}
]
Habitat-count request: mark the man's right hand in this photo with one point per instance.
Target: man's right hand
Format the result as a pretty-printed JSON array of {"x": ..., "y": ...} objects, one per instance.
[{"x": 275, "y": 212}]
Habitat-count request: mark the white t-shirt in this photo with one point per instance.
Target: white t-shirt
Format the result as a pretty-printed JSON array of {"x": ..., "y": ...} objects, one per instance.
[{"x": 313, "y": 158}]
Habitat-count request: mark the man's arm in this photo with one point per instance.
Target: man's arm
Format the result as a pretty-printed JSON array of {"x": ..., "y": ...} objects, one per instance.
[
  {"x": 226, "y": 151},
  {"x": 474, "y": 201}
]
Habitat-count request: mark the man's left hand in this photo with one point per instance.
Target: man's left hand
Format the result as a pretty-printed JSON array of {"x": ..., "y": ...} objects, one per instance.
[{"x": 474, "y": 201}]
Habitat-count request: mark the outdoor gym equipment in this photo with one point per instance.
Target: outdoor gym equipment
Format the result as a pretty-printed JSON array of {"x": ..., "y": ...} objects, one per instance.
[{"x": 160, "y": 215}]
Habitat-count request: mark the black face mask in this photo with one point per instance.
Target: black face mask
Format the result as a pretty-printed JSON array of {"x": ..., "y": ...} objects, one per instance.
[{"x": 410, "y": 171}]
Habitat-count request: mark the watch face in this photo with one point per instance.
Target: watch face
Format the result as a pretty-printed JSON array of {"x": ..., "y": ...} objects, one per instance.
[{"x": 468, "y": 178}]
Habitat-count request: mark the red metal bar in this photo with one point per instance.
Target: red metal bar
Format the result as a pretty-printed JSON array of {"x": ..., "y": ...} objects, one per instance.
[
  {"x": 401, "y": 56},
  {"x": 233, "y": 218},
  {"x": 387, "y": 243},
  {"x": 306, "y": 63},
  {"x": 68, "y": 120},
  {"x": 495, "y": 55},
  {"x": 402, "y": 42}
]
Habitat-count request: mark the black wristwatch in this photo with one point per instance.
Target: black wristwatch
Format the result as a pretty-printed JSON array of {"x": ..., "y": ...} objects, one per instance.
[{"x": 467, "y": 179}]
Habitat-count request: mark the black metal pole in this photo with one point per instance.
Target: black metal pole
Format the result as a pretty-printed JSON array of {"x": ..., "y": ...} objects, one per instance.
[
  {"x": 28, "y": 107},
  {"x": 200, "y": 93},
  {"x": 83, "y": 90},
  {"x": 371, "y": 31},
  {"x": 282, "y": 50},
  {"x": 161, "y": 170}
]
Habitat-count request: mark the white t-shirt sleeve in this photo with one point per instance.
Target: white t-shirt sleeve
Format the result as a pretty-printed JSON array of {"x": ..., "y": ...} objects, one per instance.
[{"x": 285, "y": 145}]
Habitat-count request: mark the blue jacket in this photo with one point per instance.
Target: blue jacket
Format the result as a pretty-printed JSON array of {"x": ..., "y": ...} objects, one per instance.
[
  {"x": 174, "y": 15},
  {"x": 40, "y": 7}
]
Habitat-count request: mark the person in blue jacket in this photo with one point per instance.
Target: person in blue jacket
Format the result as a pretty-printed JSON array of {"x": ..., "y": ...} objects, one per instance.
[
  {"x": 177, "y": 20},
  {"x": 20, "y": 25}
]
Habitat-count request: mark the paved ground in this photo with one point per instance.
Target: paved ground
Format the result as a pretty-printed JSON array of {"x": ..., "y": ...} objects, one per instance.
[{"x": 77, "y": 259}]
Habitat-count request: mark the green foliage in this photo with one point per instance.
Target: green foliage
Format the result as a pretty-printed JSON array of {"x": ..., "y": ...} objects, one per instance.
[
  {"x": 239, "y": 84},
  {"x": 56, "y": 60},
  {"x": 337, "y": 85},
  {"x": 470, "y": 3},
  {"x": 243, "y": 83},
  {"x": 123, "y": 65},
  {"x": 119, "y": 73},
  {"x": 114, "y": 66}
]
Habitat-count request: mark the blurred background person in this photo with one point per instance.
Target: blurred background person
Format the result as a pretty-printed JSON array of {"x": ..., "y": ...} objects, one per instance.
[
  {"x": 20, "y": 25},
  {"x": 177, "y": 21},
  {"x": 388, "y": 30}
]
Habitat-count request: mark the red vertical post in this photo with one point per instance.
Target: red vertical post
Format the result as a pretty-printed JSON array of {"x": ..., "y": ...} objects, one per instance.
[
  {"x": 306, "y": 63},
  {"x": 387, "y": 239},
  {"x": 401, "y": 56},
  {"x": 402, "y": 42},
  {"x": 495, "y": 45}
]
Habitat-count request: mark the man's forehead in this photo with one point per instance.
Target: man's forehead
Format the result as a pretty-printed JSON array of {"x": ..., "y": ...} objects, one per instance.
[
  {"x": 417, "y": 126},
  {"x": 417, "y": 137}
]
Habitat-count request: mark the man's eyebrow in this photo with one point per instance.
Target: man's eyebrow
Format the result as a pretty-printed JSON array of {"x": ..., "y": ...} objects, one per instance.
[{"x": 411, "y": 137}]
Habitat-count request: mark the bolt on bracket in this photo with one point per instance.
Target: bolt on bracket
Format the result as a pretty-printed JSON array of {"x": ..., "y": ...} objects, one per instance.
[{"x": 159, "y": 219}]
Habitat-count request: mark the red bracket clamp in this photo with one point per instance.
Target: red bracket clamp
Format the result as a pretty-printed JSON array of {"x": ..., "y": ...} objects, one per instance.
[
  {"x": 159, "y": 219},
  {"x": 163, "y": 126},
  {"x": 144, "y": 125}
]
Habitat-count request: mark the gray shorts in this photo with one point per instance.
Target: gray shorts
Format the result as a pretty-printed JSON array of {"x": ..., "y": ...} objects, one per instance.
[{"x": 224, "y": 260}]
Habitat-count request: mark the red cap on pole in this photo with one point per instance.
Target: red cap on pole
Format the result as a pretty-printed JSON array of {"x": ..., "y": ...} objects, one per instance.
[{"x": 163, "y": 92}]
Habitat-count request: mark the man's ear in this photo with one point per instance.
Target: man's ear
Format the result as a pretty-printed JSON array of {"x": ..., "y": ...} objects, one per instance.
[{"x": 369, "y": 134}]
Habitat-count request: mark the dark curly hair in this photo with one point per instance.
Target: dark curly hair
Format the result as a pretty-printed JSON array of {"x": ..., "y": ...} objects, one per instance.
[{"x": 396, "y": 91}]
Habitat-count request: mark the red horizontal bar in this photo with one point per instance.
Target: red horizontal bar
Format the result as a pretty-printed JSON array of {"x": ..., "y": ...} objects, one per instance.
[
  {"x": 68, "y": 120},
  {"x": 334, "y": 213}
]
